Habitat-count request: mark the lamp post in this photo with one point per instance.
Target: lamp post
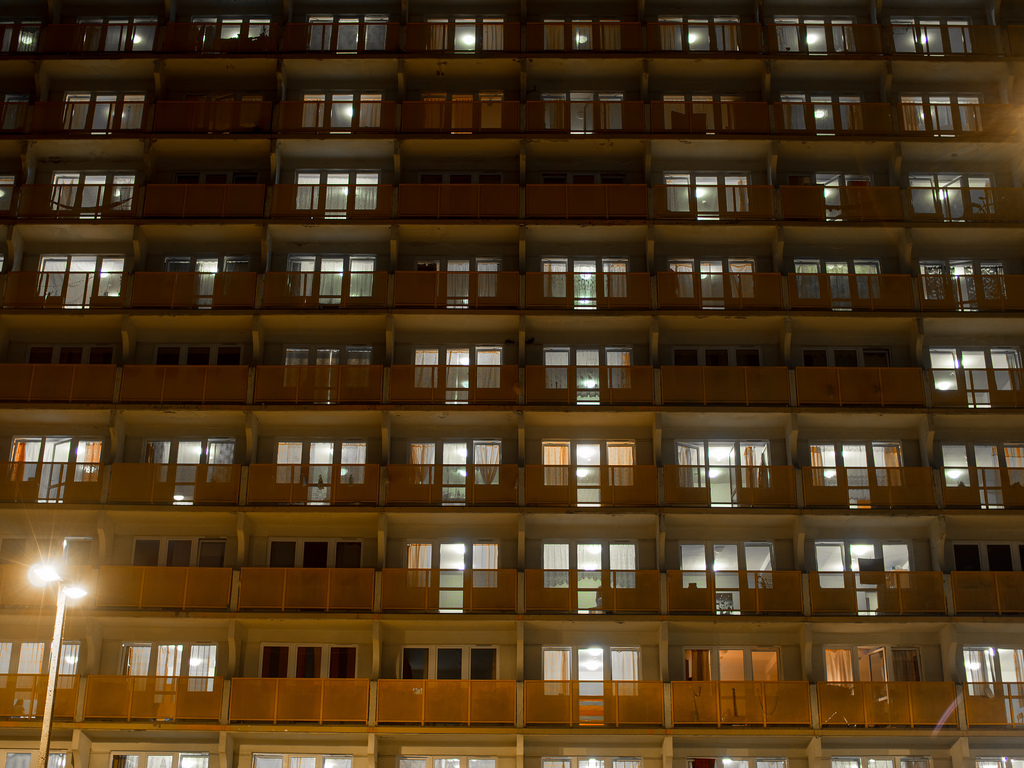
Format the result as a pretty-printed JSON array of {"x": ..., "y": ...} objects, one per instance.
[{"x": 41, "y": 575}]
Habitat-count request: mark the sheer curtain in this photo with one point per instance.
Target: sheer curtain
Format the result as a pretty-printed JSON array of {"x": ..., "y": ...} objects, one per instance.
[
  {"x": 555, "y": 457},
  {"x": 622, "y": 562},
  {"x": 486, "y": 458},
  {"x": 418, "y": 556},
  {"x": 621, "y": 458},
  {"x": 557, "y": 664},
  {"x": 625, "y": 670},
  {"x": 488, "y": 370},
  {"x": 426, "y": 362},
  {"x": 838, "y": 665},
  {"x": 421, "y": 455},
  {"x": 556, "y": 566}
]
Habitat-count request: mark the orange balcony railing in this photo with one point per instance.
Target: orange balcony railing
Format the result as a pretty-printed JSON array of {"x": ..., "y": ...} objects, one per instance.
[
  {"x": 472, "y": 201},
  {"x": 580, "y": 591},
  {"x": 556, "y": 703},
  {"x": 828, "y": 119},
  {"x": 735, "y": 592},
  {"x": 821, "y": 203},
  {"x": 586, "y": 201},
  {"x": 337, "y": 117},
  {"x": 724, "y": 385},
  {"x": 902, "y": 593},
  {"x": 589, "y": 385},
  {"x": 714, "y": 202},
  {"x": 306, "y": 589},
  {"x": 50, "y": 483},
  {"x": 428, "y": 591},
  {"x": 79, "y": 201},
  {"x": 325, "y": 290},
  {"x": 161, "y": 699},
  {"x": 588, "y": 290},
  {"x": 859, "y": 487},
  {"x": 457, "y": 290},
  {"x": 298, "y": 700},
  {"x": 460, "y": 117},
  {"x": 972, "y": 293},
  {"x": 859, "y": 386},
  {"x": 23, "y": 696},
  {"x": 318, "y": 384},
  {"x": 582, "y": 37},
  {"x": 102, "y": 37},
  {"x": 706, "y": 117},
  {"x": 592, "y": 486},
  {"x": 184, "y": 383},
  {"x": 219, "y": 201},
  {"x": 180, "y": 589},
  {"x": 759, "y": 486},
  {"x": 92, "y": 118},
  {"x": 212, "y": 117},
  {"x": 224, "y": 36},
  {"x": 28, "y": 383},
  {"x": 452, "y": 484},
  {"x": 717, "y": 291},
  {"x": 977, "y": 387},
  {"x": 727, "y": 702},
  {"x": 993, "y": 592},
  {"x": 820, "y": 39},
  {"x": 897, "y": 704},
  {"x": 348, "y": 36},
  {"x": 193, "y": 290},
  {"x": 967, "y": 121},
  {"x": 463, "y": 702},
  {"x": 993, "y": 704},
  {"x": 465, "y": 37},
  {"x": 454, "y": 384},
  {"x": 850, "y": 292},
  {"x": 331, "y": 201},
  {"x": 681, "y": 38},
  {"x": 940, "y": 40},
  {"x": 313, "y": 484},
  {"x": 585, "y": 117},
  {"x": 59, "y": 290},
  {"x": 984, "y": 487},
  {"x": 174, "y": 483},
  {"x": 965, "y": 204}
]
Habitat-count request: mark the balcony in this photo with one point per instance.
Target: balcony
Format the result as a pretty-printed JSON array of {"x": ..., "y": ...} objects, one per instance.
[
  {"x": 337, "y": 117},
  {"x": 845, "y": 292},
  {"x": 989, "y": 592},
  {"x": 456, "y": 290},
  {"x": 815, "y": 202},
  {"x": 29, "y": 383},
  {"x": 706, "y": 118},
  {"x": 344, "y": 37},
  {"x": 220, "y": 37},
  {"x": 298, "y": 700},
  {"x": 212, "y": 117},
  {"x": 859, "y": 386},
  {"x": 23, "y": 696},
  {"x": 588, "y": 290},
  {"x": 318, "y": 384},
  {"x": 460, "y": 117},
  {"x": 315, "y": 202},
  {"x": 592, "y": 486},
  {"x": 939, "y": 40},
  {"x": 181, "y": 484},
  {"x": 589, "y": 385},
  {"x": 471, "y": 37},
  {"x": 717, "y": 291},
  {"x": 306, "y": 589},
  {"x": 205, "y": 201},
  {"x": 453, "y": 484},
  {"x": 871, "y": 593},
  {"x": 721, "y": 202},
  {"x": 703, "y": 39},
  {"x": 966, "y": 204},
  {"x": 313, "y": 484},
  {"x": 447, "y": 201},
  {"x": 746, "y": 593},
  {"x": 104, "y": 38},
  {"x": 160, "y": 699},
  {"x": 463, "y": 702},
  {"x": 907, "y": 705},
  {"x": 993, "y": 705},
  {"x": 448, "y": 591},
  {"x": 818, "y": 39},
  {"x": 724, "y": 385},
  {"x": 178, "y": 589},
  {"x": 828, "y": 119},
  {"x": 560, "y": 703},
  {"x": 984, "y": 487},
  {"x": 325, "y": 290},
  {"x": 50, "y": 483},
  {"x": 977, "y": 387},
  {"x": 972, "y": 293},
  {"x": 586, "y": 201},
  {"x": 78, "y": 201},
  {"x": 583, "y": 37},
  {"x": 88, "y": 118},
  {"x": 581, "y": 591},
  {"x": 194, "y": 290},
  {"x": 741, "y": 703},
  {"x": 583, "y": 118},
  {"x": 728, "y": 486},
  {"x": 959, "y": 121},
  {"x": 199, "y": 384},
  {"x": 864, "y": 487},
  {"x": 61, "y": 290}
]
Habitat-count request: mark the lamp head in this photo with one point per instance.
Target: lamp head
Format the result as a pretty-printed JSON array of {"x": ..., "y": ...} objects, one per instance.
[
  {"x": 75, "y": 592},
  {"x": 41, "y": 574}
]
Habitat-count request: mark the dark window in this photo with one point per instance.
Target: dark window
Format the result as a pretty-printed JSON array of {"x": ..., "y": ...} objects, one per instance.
[
  {"x": 750, "y": 357},
  {"x": 461, "y": 178},
  {"x": 147, "y": 552},
  {"x": 1000, "y": 557},
  {"x": 431, "y": 178},
  {"x": 167, "y": 355},
  {"x": 449, "y": 664},
  {"x": 876, "y": 358},
  {"x": 716, "y": 357},
  {"x": 307, "y": 661},
  {"x": 343, "y": 662},
  {"x": 414, "y": 663},
  {"x": 815, "y": 358},
  {"x": 211, "y": 553},
  {"x": 967, "y": 557},
  {"x": 685, "y": 357},
  {"x": 275, "y": 661},
  {"x": 314, "y": 554},
  {"x": 490, "y": 178},
  {"x": 179, "y": 553},
  {"x": 350, "y": 554},
  {"x": 70, "y": 356},
  {"x": 845, "y": 358},
  {"x": 197, "y": 356},
  {"x": 186, "y": 178},
  {"x": 282, "y": 554},
  {"x": 245, "y": 177},
  {"x": 229, "y": 356},
  {"x": 101, "y": 355},
  {"x": 40, "y": 355},
  {"x": 483, "y": 663}
]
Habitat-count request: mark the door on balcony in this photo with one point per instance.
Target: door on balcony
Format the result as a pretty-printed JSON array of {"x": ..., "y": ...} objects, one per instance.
[
  {"x": 462, "y": 366},
  {"x": 90, "y": 195},
  {"x": 952, "y": 196},
  {"x": 584, "y": 460},
  {"x": 868, "y": 561},
  {"x": 586, "y": 384},
  {"x": 340, "y": 112},
  {"x": 747, "y": 565},
  {"x": 323, "y": 276},
  {"x": 327, "y": 193},
  {"x": 452, "y": 472},
  {"x": 77, "y": 280},
  {"x": 990, "y": 468},
  {"x": 578, "y": 280},
  {"x": 55, "y": 460},
  {"x": 728, "y": 470},
  {"x": 599, "y": 569},
  {"x": 188, "y": 475},
  {"x": 102, "y": 113},
  {"x": 721, "y": 281},
  {"x": 973, "y": 284},
  {"x": 205, "y": 269},
  {"x": 454, "y": 558},
  {"x": 867, "y": 465},
  {"x": 997, "y": 673},
  {"x": 983, "y": 372},
  {"x": 846, "y": 280}
]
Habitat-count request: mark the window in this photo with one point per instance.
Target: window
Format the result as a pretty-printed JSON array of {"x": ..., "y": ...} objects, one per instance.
[
  {"x": 459, "y": 112},
  {"x": 816, "y": 36},
  {"x": 210, "y": 32},
  {"x": 718, "y": 279},
  {"x": 307, "y": 661},
  {"x": 168, "y": 760},
  {"x": 91, "y": 194},
  {"x": 6, "y": 191},
  {"x": 996, "y": 673},
  {"x": 594, "y": 465},
  {"x": 582, "y": 35},
  {"x": 731, "y": 762},
  {"x": 864, "y": 466},
  {"x": 717, "y": 356},
  {"x": 453, "y": 559},
  {"x": 216, "y": 177},
  {"x": 169, "y": 660},
  {"x": 732, "y": 563},
  {"x": 347, "y": 34},
  {"x": 70, "y": 355},
  {"x": 965, "y": 284},
  {"x": 465, "y": 370},
  {"x": 352, "y": 354},
  {"x": 196, "y": 355},
  {"x": 593, "y": 668},
  {"x": 465, "y": 34},
  {"x": 13, "y": 108},
  {"x": 988, "y": 556},
  {"x": 941, "y": 115},
  {"x": 716, "y": 33},
  {"x": 314, "y": 553},
  {"x": 881, "y": 762},
  {"x": 699, "y": 112},
  {"x": 583, "y": 112},
  {"x": 52, "y": 462},
  {"x": 313, "y": 464},
  {"x": 589, "y": 559},
  {"x": 590, "y": 762},
  {"x": 952, "y": 196},
  {"x": 755, "y": 664},
  {"x": 180, "y": 553},
  {"x": 868, "y": 561},
  {"x": 28, "y": 759},
  {"x": 336, "y": 194},
  {"x": 591, "y": 279},
  {"x": 725, "y": 468},
  {"x": 872, "y": 664},
  {"x": 843, "y": 279},
  {"x": 822, "y": 111},
  {"x": 448, "y": 663},
  {"x": 341, "y": 111},
  {"x": 930, "y": 36},
  {"x": 980, "y": 372},
  {"x": 855, "y": 357},
  {"x": 588, "y": 371},
  {"x": 101, "y": 113},
  {"x": 456, "y": 762},
  {"x": 184, "y": 459},
  {"x": 707, "y": 196},
  {"x": 458, "y": 283},
  {"x": 27, "y": 658},
  {"x": 331, "y": 277},
  {"x": 77, "y": 280},
  {"x": 117, "y": 34},
  {"x": 988, "y": 467},
  {"x": 448, "y": 461},
  {"x": 19, "y": 36}
]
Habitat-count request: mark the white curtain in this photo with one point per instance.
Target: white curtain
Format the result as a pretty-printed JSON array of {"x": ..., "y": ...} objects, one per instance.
[
  {"x": 838, "y": 665},
  {"x": 418, "y": 556},
  {"x": 557, "y": 663},
  {"x": 488, "y": 372}
]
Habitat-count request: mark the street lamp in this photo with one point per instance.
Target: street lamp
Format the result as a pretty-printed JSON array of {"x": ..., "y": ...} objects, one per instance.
[{"x": 40, "y": 575}]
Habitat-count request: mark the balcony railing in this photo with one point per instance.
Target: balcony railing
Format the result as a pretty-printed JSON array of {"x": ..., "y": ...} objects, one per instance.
[
  {"x": 865, "y": 487},
  {"x": 161, "y": 699},
  {"x": 582, "y": 37},
  {"x": 993, "y": 704},
  {"x": 977, "y": 387},
  {"x": 220, "y": 37},
  {"x": 898, "y": 593},
  {"x": 23, "y": 696},
  {"x": 592, "y": 486},
  {"x": 706, "y": 117},
  {"x": 217, "y": 201},
  {"x": 717, "y": 703},
  {"x": 318, "y": 384},
  {"x": 845, "y": 292},
  {"x": 100, "y": 37},
  {"x": 306, "y": 589},
  {"x": 457, "y": 290},
  {"x": 179, "y": 589},
  {"x": 588, "y": 290},
  {"x": 331, "y": 201},
  {"x": 972, "y": 293},
  {"x": 29, "y": 383},
  {"x": 459, "y": 117},
  {"x": 298, "y": 700},
  {"x": 965, "y": 204},
  {"x": 579, "y": 591},
  {"x": 940, "y": 40},
  {"x": 452, "y": 484},
  {"x": 184, "y": 383},
  {"x": 463, "y": 702},
  {"x": 735, "y": 592},
  {"x": 50, "y": 483},
  {"x": 194, "y": 290},
  {"x": 313, "y": 484},
  {"x": 697, "y": 39},
  {"x": 174, "y": 483},
  {"x": 727, "y": 486},
  {"x": 585, "y": 117},
  {"x": 714, "y": 202},
  {"x": 820, "y": 203},
  {"x": 448, "y": 591},
  {"x": 818, "y": 39},
  {"x": 555, "y": 703},
  {"x": 829, "y": 119},
  {"x": 79, "y": 201},
  {"x": 343, "y": 37},
  {"x": 984, "y": 487},
  {"x": 64, "y": 290},
  {"x": 213, "y": 117},
  {"x": 337, "y": 117},
  {"x": 454, "y": 384},
  {"x": 966, "y": 121},
  {"x": 717, "y": 291},
  {"x": 586, "y": 201},
  {"x": 466, "y": 37},
  {"x": 859, "y": 386},
  {"x": 909, "y": 705},
  {"x": 724, "y": 385},
  {"x": 325, "y": 290},
  {"x": 991, "y": 592},
  {"x": 445, "y": 201},
  {"x": 89, "y": 118},
  {"x": 589, "y": 385}
]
